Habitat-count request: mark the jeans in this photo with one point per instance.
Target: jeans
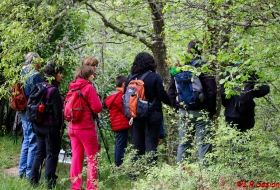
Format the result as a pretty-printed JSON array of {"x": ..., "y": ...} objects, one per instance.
[
  {"x": 121, "y": 144},
  {"x": 48, "y": 147},
  {"x": 28, "y": 147},
  {"x": 147, "y": 128},
  {"x": 190, "y": 124}
]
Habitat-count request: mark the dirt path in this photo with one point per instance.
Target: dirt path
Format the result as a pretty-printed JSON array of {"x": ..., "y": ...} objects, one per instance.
[{"x": 12, "y": 171}]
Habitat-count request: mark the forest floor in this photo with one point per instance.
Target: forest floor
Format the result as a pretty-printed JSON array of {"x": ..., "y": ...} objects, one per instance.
[{"x": 12, "y": 171}]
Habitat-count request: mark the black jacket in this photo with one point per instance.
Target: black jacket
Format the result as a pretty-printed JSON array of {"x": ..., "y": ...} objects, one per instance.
[
  {"x": 154, "y": 90},
  {"x": 231, "y": 104},
  {"x": 209, "y": 88},
  {"x": 52, "y": 123}
]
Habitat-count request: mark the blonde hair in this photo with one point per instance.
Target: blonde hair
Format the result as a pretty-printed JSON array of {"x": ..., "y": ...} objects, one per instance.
[
  {"x": 91, "y": 61},
  {"x": 83, "y": 72}
]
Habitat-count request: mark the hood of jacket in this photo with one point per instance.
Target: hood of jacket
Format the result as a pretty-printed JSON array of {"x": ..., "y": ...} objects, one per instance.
[
  {"x": 111, "y": 99},
  {"x": 79, "y": 83}
]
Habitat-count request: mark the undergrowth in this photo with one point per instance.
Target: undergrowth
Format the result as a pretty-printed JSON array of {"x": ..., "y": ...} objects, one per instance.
[{"x": 238, "y": 159}]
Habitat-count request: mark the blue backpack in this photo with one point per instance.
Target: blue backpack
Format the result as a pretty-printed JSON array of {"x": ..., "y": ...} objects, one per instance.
[{"x": 189, "y": 89}]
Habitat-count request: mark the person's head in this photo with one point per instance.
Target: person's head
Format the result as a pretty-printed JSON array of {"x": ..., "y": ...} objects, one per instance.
[
  {"x": 30, "y": 58},
  {"x": 143, "y": 62},
  {"x": 91, "y": 61},
  {"x": 85, "y": 72},
  {"x": 120, "y": 80},
  {"x": 52, "y": 69},
  {"x": 195, "y": 48}
]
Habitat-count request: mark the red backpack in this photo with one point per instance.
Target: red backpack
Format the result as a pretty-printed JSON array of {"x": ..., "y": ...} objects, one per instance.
[
  {"x": 18, "y": 98},
  {"x": 74, "y": 106}
]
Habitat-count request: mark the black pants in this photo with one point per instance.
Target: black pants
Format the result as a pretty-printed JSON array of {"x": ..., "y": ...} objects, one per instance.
[
  {"x": 48, "y": 147},
  {"x": 143, "y": 128},
  {"x": 120, "y": 146},
  {"x": 242, "y": 124}
]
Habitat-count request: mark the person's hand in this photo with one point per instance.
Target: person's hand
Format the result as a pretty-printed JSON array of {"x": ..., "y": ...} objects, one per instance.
[
  {"x": 177, "y": 64},
  {"x": 160, "y": 141}
]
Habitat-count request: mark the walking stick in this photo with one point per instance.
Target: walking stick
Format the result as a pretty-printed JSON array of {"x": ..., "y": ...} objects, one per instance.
[
  {"x": 102, "y": 137},
  {"x": 95, "y": 116}
]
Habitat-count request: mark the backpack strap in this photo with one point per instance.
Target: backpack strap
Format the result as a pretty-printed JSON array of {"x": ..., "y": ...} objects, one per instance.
[
  {"x": 95, "y": 116},
  {"x": 195, "y": 62},
  {"x": 142, "y": 77},
  {"x": 49, "y": 91}
]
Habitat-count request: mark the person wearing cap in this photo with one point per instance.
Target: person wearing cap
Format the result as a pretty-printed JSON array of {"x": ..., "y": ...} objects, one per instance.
[{"x": 29, "y": 144}]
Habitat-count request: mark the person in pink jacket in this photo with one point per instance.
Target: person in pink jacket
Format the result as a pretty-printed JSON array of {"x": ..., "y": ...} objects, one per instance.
[{"x": 83, "y": 134}]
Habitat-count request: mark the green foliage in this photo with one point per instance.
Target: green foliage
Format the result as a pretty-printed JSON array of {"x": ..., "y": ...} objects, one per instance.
[{"x": 66, "y": 32}]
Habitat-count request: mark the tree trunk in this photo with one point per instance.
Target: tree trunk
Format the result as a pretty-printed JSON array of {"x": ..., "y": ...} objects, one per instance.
[
  {"x": 213, "y": 47},
  {"x": 2, "y": 111},
  {"x": 158, "y": 40}
]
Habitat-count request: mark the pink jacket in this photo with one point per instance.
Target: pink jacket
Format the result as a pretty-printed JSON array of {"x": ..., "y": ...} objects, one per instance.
[{"x": 93, "y": 100}]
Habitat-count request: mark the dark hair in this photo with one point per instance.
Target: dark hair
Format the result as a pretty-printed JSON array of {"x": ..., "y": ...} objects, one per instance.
[
  {"x": 195, "y": 47},
  {"x": 52, "y": 69},
  {"x": 120, "y": 80},
  {"x": 143, "y": 62},
  {"x": 84, "y": 72}
]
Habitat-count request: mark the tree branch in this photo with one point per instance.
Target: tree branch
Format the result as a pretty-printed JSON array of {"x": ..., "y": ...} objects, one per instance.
[{"x": 115, "y": 28}]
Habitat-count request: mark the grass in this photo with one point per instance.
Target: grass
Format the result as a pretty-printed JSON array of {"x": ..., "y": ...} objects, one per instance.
[
  {"x": 260, "y": 164},
  {"x": 9, "y": 158}
]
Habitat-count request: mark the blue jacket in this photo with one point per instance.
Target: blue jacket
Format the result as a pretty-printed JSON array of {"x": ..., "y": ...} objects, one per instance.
[{"x": 34, "y": 77}]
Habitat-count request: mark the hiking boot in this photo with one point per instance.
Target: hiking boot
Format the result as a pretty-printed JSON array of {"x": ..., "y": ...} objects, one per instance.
[{"x": 34, "y": 182}]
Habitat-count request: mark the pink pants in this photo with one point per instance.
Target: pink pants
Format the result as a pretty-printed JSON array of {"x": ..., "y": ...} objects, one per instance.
[{"x": 83, "y": 140}]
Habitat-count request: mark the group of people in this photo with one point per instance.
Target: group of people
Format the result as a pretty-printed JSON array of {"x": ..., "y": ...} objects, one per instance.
[{"x": 44, "y": 142}]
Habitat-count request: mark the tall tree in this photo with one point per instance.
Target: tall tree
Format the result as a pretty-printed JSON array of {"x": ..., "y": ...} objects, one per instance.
[{"x": 140, "y": 20}]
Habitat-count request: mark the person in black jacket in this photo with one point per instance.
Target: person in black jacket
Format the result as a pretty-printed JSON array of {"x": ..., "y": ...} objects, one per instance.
[
  {"x": 239, "y": 109},
  {"x": 189, "y": 123},
  {"x": 155, "y": 93},
  {"x": 49, "y": 131}
]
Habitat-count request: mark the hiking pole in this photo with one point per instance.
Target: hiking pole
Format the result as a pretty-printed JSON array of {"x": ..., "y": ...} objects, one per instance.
[
  {"x": 102, "y": 137},
  {"x": 95, "y": 116}
]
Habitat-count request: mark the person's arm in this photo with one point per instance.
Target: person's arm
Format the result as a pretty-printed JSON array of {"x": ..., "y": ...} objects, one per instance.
[
  {"x": 172, "y": 92},
  {"x": 57, "y": 104},
  {"x": 210, "y": 90},
  {"x": 93, "y": 99},
  {"x": 258, "y": 91},
  {"x": 161, "y": 93},
  {"x": 261, "y": 91},
  {"x": 118, "y": 102}
]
